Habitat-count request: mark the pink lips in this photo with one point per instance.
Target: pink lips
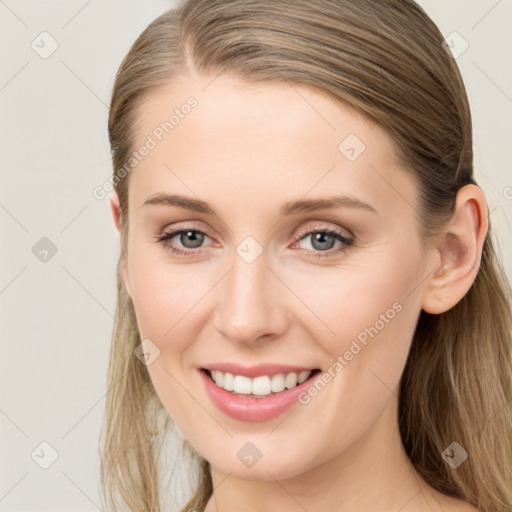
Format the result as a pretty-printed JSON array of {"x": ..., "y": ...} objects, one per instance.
[{"x": 246, "y": 408}]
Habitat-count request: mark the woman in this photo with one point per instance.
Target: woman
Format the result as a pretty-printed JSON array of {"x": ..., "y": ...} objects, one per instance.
[{"x": 307, "y": 285}]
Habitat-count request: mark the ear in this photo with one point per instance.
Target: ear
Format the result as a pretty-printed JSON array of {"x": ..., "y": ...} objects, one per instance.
[
  {"x": 116, "y": 209},
  {"x": 116, "y": 215},
  {"x": 458, "y": 253}
]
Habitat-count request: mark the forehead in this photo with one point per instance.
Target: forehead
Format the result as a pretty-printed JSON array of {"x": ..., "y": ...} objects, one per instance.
[
  {"x": 258, "y": 110},
  {"x": 242, "y": 136}
]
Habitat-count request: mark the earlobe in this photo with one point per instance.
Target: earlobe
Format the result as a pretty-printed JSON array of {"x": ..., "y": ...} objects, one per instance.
[
  {"x": 458, "y": 253},
  {"x": 116, "y": 215},
  {"x": 116, "y": 209}
]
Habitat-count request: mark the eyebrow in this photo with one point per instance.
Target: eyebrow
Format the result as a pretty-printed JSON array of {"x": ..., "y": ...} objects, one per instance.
[{"x": 289, "y": 208}]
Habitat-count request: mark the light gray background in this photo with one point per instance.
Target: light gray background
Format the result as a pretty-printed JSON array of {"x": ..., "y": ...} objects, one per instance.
[{"x": 57, "y": 315}]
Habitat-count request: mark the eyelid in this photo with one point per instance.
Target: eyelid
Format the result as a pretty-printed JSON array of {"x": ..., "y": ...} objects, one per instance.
[
  {"x": 320, "y": 226},
  {"x": 175, "y": 229},
  {"x": 346, "y": 240},
  {"x": 323, "y": 227}
]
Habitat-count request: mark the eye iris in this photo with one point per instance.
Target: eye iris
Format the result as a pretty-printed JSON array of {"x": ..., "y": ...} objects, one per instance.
[
  {"x": 196, "y": 237},
  {"x": 320, "y": 238}
]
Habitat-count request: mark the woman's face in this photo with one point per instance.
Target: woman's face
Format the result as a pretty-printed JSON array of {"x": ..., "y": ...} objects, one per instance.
[{"x": 258, "y": 288}]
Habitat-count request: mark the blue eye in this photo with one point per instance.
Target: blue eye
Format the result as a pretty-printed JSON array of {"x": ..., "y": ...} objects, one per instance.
[
  {"x": 184, "y": 236},
  {"x": 322, "y": 241}
]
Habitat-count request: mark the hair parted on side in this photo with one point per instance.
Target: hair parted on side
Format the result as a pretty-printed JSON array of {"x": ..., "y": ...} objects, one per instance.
[{"x": 386, "y": 60}]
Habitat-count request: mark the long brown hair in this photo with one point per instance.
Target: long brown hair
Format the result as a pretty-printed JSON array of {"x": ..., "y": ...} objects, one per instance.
[{"x": 386, "y": 59}]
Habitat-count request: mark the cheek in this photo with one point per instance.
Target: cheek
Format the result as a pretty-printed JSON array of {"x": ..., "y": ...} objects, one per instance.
[
  {"x": 166, "y": 299},
  {"x": 163, "y": 293},
  {"x": 364, "y": 301}
]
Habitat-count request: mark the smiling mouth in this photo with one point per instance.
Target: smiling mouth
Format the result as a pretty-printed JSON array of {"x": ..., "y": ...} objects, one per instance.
[{"x": 261, "y": 386}]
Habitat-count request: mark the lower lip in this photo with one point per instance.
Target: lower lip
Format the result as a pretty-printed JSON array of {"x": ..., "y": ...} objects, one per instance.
[{"x": 253, "y": 409}]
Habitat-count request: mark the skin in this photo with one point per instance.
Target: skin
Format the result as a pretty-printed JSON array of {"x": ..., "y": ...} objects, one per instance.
[{"x": 247, "y": 149}]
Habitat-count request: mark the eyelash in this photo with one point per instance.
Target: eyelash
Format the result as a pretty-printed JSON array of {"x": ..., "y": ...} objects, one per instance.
[{"x": 346, "y": 242}]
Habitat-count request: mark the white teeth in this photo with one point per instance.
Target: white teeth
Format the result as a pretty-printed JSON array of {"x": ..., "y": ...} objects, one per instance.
[
  {"x": 218, "y": 377},
  {"x": 226, "y": 382},
  {"x": 291, "y": 380},
  {"x": 278, "y": 382},
  {"x": 303, "y": 376},
  {"x": 242, "y": 384},
  {"x": 261, "y": 386}
]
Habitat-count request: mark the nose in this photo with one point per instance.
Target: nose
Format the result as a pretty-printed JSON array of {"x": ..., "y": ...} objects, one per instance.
[{"x": 251, "y": 303}]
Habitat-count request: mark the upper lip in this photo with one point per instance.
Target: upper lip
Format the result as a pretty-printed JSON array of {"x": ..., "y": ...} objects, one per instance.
[{"x": 256, "y": 370}]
